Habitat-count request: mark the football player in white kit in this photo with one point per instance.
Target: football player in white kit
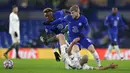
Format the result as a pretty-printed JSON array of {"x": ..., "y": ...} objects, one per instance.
[
  {"x": 73, "y": 59},
  {"x": 80, "y": 62},
  {"x": 14, "y": 30}
]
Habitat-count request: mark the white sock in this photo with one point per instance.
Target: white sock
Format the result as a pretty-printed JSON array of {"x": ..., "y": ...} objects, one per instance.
[
  {"x": 63, "y": 48},
  {"x": 64, "y": 55},
  {"x": 116, "y": 47},
  {"x": 96, "y": 57},
  {"x": 110, "y": 47}
]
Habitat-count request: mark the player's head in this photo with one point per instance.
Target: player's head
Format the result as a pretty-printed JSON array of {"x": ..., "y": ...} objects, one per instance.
[
  {"x": 84, "y": 60},
  {"x": 75, "y": 11},
  {"x": 48, "y": 13},
  {"x": 15, "y": 9},
  {"x": 114, "y": 10}
]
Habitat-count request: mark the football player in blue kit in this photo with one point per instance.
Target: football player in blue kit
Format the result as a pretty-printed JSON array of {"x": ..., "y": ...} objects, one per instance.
[
  {"x": 78, "y": 27},
  {"x": 113, "y": 21},
  {"x": 50, "y": 31}
]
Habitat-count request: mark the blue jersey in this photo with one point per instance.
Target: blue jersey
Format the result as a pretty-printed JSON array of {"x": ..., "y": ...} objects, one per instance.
[
  {"x": 113, "y": 22},
  {"x": 57, "y": 28},
  {"x": 77, "y": 28}
]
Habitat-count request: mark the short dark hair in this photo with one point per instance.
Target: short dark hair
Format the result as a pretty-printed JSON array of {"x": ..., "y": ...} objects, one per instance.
[
  {"x": 14, "y": 6},
  {"x": 46, "y": 10}
]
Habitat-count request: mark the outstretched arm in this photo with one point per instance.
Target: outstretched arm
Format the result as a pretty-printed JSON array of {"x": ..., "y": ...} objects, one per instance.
[
  {"x": 60, "y": 20},
  {"x": 72, "y": 44},
  {"x": 106, "y": 67}
]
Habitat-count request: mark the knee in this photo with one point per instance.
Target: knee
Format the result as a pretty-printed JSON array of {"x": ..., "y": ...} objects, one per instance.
[
  {"x": 75, "y": 49},
  {"x": 59, "y": 36},
  {"x": 91, "y": 48}
]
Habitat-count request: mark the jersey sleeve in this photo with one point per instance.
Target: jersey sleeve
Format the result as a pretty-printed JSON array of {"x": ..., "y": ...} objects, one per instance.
[
  {"x": 59, "y": 14},
  {"x": 86, "y": 25},
  {"x": 106, "y": 21},
  {"x": 60, "y": 20}
]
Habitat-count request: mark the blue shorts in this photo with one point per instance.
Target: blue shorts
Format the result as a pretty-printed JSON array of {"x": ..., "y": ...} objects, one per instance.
[
  {"x": 113, "y": 36},
  {"x": 83, "y": 43}
]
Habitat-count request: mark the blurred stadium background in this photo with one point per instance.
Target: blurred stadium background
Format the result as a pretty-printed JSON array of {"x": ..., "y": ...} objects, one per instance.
[{"x": 31, "y": 18}]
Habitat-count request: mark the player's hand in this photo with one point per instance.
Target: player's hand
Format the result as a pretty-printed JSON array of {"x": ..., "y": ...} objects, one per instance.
[
  {"x": 57, "y": 56},
  {"x": 65, "y": 29},
  {"x": 41, "y": 38},
  {"x": 113, "y": 66},
  {"x": 15, "y": 34}
]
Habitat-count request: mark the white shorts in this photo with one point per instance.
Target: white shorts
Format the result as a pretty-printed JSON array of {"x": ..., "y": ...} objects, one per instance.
[{"x": 14, "y": 38}]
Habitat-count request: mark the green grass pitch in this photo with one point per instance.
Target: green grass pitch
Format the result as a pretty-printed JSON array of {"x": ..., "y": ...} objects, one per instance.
[{"x": 51, "y": 66}]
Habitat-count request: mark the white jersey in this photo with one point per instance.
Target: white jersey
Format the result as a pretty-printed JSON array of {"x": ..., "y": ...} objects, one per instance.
[
  {"x": 14, "y": 27},
  {"x": 14, "y": 23},
  {"x": 75, "y": 60}
]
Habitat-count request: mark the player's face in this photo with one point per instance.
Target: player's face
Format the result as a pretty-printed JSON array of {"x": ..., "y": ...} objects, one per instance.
[
  {"x": 48, "y": 16},
  {"x": 74, "y": 14},
  {"x": 114, "y": 11},
  {"x": 15, "y": 9}
]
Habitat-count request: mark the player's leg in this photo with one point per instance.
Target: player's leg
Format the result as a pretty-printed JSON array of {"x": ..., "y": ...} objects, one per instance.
[
  {"x": 95, "y": 54},
  {"x": 57, "y": 56},
  {"x": 110, "y": 47},
  {"x": 115, "y": 45},
  {"x": 9, "y": 49},
  {"x": 74, "y": 47},
  {"x": 86, "y": 43},
  {"x": 17, "y": 42},
  {"x": 76, "y": 51},
  {"x": 17, "y": 50},
  {"x": 14, "y": 45},
  {"x": 63, "y": 47},
  {"x": 50, "y": 39}
]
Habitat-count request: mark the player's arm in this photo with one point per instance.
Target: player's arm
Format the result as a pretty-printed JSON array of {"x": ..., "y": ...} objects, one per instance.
[
  {"x": 72, "y": 44},
  {"x": 122, "y": 24},
  {"x": 60, "y": 20},
  {"x": 106, "y": 67},
  {"x": 106, "y": 21},
  {"x": 86, "y": 25}
]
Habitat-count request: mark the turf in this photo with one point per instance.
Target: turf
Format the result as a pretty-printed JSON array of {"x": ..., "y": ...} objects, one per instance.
[{"x": 51, "y": 66}]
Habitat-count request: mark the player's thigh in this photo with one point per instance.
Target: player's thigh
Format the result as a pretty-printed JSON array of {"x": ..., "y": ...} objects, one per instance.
[
  {"x": 85, "y": 42},
  {"x": 113, "y": 36},
  {"x": 76, "y": 48},
  {"x": 114, "y": 40}
]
